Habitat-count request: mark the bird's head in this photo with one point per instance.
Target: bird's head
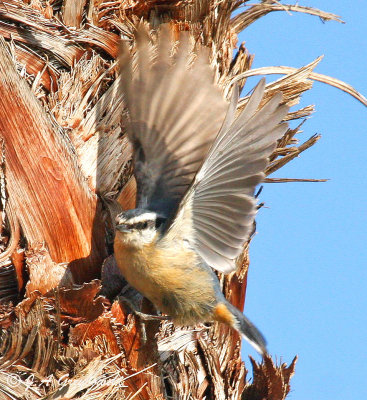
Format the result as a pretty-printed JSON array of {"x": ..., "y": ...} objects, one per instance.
[{"x": 138, "y": 227}]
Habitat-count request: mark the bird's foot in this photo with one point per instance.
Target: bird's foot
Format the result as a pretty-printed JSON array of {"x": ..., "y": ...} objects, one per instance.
[{"x": 143, "y": 317}]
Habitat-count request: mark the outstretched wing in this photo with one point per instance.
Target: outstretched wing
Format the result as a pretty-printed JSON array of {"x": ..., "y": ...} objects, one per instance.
[
  {"x": 173, "y": 114},
  {"x": 219, "y": 209}
]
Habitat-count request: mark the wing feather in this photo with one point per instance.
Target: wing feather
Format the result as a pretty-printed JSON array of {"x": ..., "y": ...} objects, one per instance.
[
  {"x": 167, "y": 108},
  {"x": 221, "y": 203},
  {"x": 213, "y": 258}
]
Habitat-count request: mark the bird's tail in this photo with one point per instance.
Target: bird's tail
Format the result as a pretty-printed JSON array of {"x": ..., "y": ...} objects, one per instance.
[{"x": 230, "y": 315}]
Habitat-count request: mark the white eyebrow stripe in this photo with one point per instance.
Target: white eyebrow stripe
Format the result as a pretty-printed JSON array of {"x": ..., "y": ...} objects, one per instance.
[{"x": 149, "y": 216}]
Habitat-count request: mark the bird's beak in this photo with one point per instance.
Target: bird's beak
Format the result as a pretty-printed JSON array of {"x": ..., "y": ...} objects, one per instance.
[{"x": 122, "y": 228}]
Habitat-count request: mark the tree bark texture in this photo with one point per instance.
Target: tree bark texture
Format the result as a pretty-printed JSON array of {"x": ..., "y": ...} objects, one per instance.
[{"x": 46, "y": 189}]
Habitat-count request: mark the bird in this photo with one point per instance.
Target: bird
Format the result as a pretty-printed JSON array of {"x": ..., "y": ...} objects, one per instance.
[{"x": 197, "y": 163}]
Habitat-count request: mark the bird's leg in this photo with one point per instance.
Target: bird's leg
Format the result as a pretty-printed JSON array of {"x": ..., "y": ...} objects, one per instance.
[{"x": 142, "y": 317}]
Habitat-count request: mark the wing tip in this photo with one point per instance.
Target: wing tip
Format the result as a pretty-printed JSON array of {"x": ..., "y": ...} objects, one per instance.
[{"x": 261, "y": 84}]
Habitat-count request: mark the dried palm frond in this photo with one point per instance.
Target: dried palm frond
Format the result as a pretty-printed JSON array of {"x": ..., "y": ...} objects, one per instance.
[{"x": 254, "y": 12}]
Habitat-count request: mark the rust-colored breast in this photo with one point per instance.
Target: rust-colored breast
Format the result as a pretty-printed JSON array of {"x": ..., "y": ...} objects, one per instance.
[{"x": 172, "y": 279}]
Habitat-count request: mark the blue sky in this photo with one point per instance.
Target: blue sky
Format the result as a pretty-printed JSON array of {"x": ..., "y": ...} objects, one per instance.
[{"x": 308, "y": 277}]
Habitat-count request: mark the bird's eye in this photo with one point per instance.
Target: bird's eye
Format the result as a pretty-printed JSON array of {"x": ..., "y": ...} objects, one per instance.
[{"x": 141, "y": 225}]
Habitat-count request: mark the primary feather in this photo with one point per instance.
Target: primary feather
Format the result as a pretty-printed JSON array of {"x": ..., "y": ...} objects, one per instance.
[{"x": 221, "y": 201}]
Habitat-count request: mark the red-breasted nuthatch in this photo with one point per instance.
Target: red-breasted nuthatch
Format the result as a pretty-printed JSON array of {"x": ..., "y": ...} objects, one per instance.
[{"x": 196, "y": 166}]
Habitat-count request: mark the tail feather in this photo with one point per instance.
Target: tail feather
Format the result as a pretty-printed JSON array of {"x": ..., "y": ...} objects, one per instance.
[{"x": 247, "y": 330}]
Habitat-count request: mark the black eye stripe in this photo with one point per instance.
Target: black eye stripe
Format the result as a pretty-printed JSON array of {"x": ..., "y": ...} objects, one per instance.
[
  {"x": 142, "y": 225},
  {"x": 148, "y": 224}
]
